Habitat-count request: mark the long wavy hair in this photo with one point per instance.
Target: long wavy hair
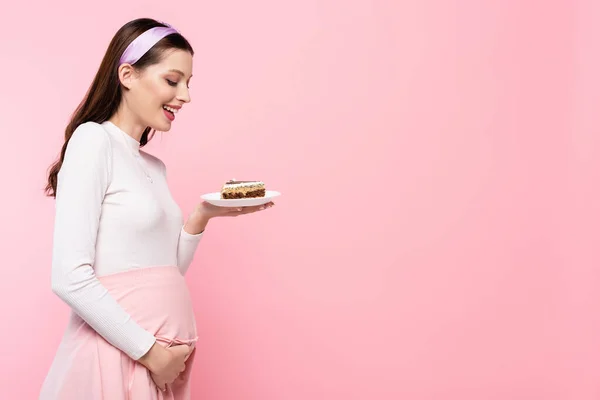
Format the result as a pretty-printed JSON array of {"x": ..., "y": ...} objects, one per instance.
[{"x": 104, "y": 95}]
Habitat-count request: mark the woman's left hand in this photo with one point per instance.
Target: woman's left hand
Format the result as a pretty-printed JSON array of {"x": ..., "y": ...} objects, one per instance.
[
  {"x": 206, "y": 211},
  {"x": 211, "y": 211}
]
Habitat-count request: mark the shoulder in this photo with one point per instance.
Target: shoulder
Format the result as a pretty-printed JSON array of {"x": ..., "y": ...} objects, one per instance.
[
  {"x": 88, "y": 149},
  {"x": 90, "y": 137}
]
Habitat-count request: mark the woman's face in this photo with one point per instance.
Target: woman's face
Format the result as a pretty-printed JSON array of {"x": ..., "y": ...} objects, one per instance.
[{"x": 159, "y": 91}]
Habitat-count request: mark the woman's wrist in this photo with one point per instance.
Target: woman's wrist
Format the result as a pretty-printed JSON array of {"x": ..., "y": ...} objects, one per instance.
[
  {"x": 196, "y": 223},
  {"x": 151, "y": 359}
]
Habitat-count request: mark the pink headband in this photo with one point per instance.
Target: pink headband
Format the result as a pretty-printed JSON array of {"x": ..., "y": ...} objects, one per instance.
[{"x": 141, "y": 44}]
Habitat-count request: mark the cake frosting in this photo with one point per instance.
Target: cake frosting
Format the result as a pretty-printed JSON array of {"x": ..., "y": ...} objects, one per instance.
[{"x": 234, "y": 189}]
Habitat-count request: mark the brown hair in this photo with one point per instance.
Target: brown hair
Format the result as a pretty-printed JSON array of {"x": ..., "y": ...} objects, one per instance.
[{"x": 105, "y": 93}]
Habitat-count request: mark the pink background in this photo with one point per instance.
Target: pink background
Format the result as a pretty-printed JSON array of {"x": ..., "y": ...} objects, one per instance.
[{"x": 439, "y": 164}]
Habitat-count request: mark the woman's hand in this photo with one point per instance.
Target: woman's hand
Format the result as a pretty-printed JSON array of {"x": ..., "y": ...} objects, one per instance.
[
  {"x": 205, "y": 211},
  {"x": 211, "y": 211},
  {"x": 165, "y": 364}
]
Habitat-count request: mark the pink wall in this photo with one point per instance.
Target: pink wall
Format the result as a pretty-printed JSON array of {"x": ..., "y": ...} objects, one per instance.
[{"x": 439, "y": 164}]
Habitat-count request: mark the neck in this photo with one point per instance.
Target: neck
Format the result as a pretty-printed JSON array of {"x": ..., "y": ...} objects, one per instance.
[{"x": 127, "y": 122}]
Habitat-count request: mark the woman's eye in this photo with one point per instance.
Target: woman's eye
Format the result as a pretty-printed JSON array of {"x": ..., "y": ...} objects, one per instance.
[{"x": 170, "y": 82}]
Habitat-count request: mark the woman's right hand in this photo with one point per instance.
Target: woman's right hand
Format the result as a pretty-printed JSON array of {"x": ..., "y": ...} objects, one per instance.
[{"x": 165, "y": 364}]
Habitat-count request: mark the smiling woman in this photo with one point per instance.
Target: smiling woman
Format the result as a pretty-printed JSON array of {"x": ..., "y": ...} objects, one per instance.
[
  {"x": 156, "y": 92},
  {"x": 121, "y": 246}
]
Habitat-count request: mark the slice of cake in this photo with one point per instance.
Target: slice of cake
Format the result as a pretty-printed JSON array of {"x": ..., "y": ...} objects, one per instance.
[{"x": 233, "y": 189}]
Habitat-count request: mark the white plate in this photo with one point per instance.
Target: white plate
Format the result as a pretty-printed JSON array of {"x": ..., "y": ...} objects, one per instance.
[{"x": 215, "y": 199}]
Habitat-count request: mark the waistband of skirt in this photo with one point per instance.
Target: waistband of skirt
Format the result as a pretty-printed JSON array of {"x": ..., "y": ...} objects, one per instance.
[{"x": 143, "y": 274}]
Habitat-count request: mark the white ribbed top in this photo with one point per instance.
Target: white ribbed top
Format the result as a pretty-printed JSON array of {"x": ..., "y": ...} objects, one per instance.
[{"x": 114, "y": 212}]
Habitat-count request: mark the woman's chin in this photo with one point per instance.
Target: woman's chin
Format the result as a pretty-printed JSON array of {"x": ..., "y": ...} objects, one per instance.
[{"x": 162, "y": 126}]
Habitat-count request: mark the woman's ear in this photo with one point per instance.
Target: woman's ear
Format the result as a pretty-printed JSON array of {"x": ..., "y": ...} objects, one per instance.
[{"x": 126, "y": 75}]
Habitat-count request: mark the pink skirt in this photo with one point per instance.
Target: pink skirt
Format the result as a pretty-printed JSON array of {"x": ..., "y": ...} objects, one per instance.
[{"x": 88, "y": 367}]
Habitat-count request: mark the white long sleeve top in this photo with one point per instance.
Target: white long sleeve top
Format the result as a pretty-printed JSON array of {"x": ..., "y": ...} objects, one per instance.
[{"x": 114, "y": 212}]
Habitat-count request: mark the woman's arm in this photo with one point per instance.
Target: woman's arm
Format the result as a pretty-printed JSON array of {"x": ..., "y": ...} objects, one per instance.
[
  {"x": 189, "y": 236},
  {"x": 82, "y": 183}
]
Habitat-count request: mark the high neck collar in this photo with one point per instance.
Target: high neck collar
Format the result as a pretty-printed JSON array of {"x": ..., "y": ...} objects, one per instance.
[{"x": 131, "y": 142}]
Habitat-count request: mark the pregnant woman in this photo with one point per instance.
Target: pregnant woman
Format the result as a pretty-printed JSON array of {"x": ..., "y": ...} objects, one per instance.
[{"x": 121, "y": 245}]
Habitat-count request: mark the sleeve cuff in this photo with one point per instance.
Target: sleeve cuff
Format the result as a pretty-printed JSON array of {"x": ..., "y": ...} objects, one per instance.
[{"x": 190, "y": 237}]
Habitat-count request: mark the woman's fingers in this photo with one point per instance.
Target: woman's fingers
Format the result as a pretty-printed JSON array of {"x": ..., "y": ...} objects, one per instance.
[
  {"x": 234, "y": 211},
  {"x": 159, "y": 382}
]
